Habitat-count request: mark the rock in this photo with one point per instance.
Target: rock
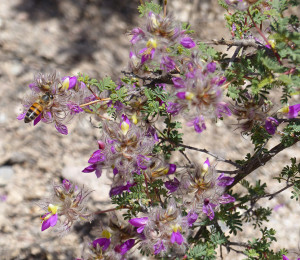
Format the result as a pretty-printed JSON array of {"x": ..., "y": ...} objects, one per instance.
[{"x": 6, "y": 173}]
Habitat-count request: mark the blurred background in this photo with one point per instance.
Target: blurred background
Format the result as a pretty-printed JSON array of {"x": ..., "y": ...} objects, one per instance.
[{"x": 90, "y": 36}]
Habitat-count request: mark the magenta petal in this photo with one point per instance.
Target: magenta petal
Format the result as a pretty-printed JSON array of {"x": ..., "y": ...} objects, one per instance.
[
  {"x": 208, "y": 209},
  {"x": 172, "y": 237},
  {"x": 181, "y": 95},
  {"x": 97, "y": 156},
  {"x": 284, "y": 257},
  {"x": 102, "y": 242},
  {"x": 226, "y": 198},
  {"x": 72, "y": 82},
  {"x": 211, "y": 67},
  {"x": 176, "y": 237},
  {"x": 271, "y": 125},
  {"x": 187, "y": 42},
  {"x": 67, "y": 184},
  {"x": 50, "y": 222},
  {"x": 140, "y": 229},
  {"x": 38, "y": 119},
  {"x": 158, "y": 247},
  {"x": 172, "y": 186},
  {"x": 178, "y": 82},
  {"x": 224, "y": 180},
  {"x": 192, "y": 217},
  {"x": 45, "y": 225},
  {"x": 21, "y": 116},
  {"x": 293, "y": 111},
  {"x": 98, "y": 171},
  {"x": 90, "y": 168},
  {"x": 61, "y": 128},
  {"x": 172, "y": 168},
  {"x": 126, "y": 246},
  {"x": 115, "y": 171},
  {"x": 138, "y": 222}
]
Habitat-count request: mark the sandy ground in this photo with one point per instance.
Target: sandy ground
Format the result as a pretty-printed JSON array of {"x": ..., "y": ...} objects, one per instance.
[{"x": 89, "y": 36}]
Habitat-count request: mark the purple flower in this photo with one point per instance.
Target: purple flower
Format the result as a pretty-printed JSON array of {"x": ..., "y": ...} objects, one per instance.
[
  {"x": 211, "y": 67},
  {"x": 151, "y": 131},
  {"x": 158, "y": 247},
  {"x": 208, "y": 209},
  {"x": 38, "y": 119},
  {"x": 97, "y": 167},
  {"x": 125, "y": 124},
  {"x": 187, "y": 42},
  {"x": 126, "y": 246},
  {"x": 66, "y": 184},
  {"x": 284, "y": 257},
  {"x": 61, "y": 128},
  {"x": 119, "y": 189},
  {"x": 74, "y": 108},
  {"x": 34, "y": 87},
  {"x": 192, "y": 217},
  {"x": 173, "y": 108},
  {"x": 50, "y": 222},
  {"x": 102, "y": 242},
  {"x": 224, "y": 180},
  {"x": 69, "y": 82},
  {"x": 178, "y": 82},
  {"x": 222, "y": 108},
  {"x": 139, "y": 223},
  {"x": 226, "y": 198},
  {"x": 142, "y": 162},
  {"x": 198, "y": 123},
  {"x": 221, "y": 81},
  {"x": 271, "y": 125},
  {"x": 147, "y": 54},
  {"x": 97, "y": 156},
  {"x": 137, "y": 34},
  {"x": 172, "y": 186},
  {"x": 293, "y": 111},
  {"x": 115, "y": 171},
  {"x": 172, "y": 169},
  {"x": 167, "y": 64},
  {"x": 176, "y": 237},
  {"x": 233, "y": 27},
  {"x": 21, "y": 116}
]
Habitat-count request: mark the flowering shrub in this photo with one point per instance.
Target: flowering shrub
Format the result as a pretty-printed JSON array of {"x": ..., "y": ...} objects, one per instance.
[{"x": 170, "y": 210}]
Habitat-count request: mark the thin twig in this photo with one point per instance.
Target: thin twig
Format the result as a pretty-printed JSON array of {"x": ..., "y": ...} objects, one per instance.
[
  {"x": 272, "y": 195},
  {"x": 94, "y": 102},
  {"x": 165, "y": 7},
  {"x": 187, "y": 158},
  {"x": 211, "y": 154},
  {"x": 237, "y": 244},
  {"x": 257, "y": 161},
  {"x": 104, "y": 211},
  {"x": 264, "y": 37},
  {"x": 239, "y": 43}
]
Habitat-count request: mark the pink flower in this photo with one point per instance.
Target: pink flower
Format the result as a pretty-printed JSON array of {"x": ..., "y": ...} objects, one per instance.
[{"x": 187, "y": 42}]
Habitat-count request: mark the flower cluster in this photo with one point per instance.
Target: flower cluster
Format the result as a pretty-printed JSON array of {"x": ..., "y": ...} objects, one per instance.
[
  {"x": 66, "y": 206},
  {"x": 201, "y": 191},
  {"x": 251, "y": 112},
  {"x": 113, "y": 243},
  {"x": 124, "y": 147},
  {"x": 199, "y": 91},
  {"x": 161, "y": 229},
  {"x": 54, "y": 100},
  {"x": 152, "y": 44}
]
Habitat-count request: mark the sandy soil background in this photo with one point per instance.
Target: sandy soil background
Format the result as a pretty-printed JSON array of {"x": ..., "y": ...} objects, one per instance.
[{"x": 89, "y": 36}]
